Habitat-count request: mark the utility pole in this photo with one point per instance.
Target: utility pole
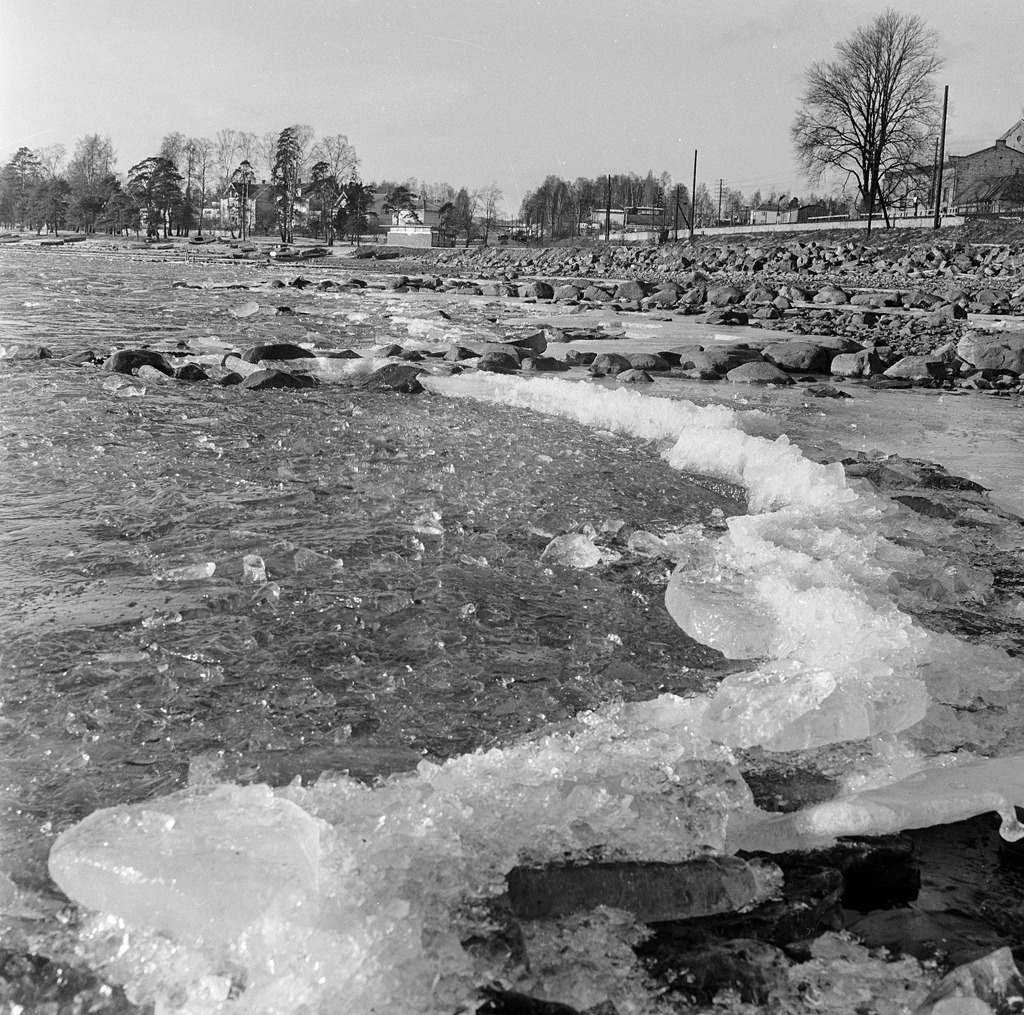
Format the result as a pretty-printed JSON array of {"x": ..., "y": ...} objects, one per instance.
[
  {"x": 935, "y": 174},
  {"x": 608, "y": 211},
  {"x": 693, "y": 196},
  {"x": 721, "y": 184},
  {"x": 942, "y": 158}
]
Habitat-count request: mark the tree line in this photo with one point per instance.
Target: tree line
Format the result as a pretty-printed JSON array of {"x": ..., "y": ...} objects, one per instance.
[{"x": 286, "y": 182}]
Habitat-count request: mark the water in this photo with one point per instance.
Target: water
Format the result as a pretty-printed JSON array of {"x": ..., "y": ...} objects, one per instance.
[{"x": 202, "y": 579}]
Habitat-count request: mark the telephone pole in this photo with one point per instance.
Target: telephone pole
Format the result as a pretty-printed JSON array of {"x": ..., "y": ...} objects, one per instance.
[
  {"x": 721, "y": 184},
  {"x": 942, "y": 158},
  {"x": 693, "y": 196}
]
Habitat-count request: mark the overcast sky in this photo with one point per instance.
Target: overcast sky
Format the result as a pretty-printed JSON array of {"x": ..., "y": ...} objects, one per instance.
[{"x": 477, "y": 91}]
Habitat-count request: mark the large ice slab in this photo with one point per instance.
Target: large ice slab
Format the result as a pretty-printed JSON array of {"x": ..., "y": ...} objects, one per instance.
[{"x": 208, "y": 864}]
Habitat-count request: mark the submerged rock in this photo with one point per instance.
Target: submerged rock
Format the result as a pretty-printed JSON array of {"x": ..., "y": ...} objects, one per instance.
[
  {"x": 396, "y": 377},
  {"x": 652, "y": 891},
  {"x": 265, "y": 380},
  {"x": 127, "y": 361},
  {"x": 276, "y": 351}
]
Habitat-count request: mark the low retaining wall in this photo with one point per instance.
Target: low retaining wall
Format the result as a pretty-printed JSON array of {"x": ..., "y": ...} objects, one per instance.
[{"x": 805, "y": 227}]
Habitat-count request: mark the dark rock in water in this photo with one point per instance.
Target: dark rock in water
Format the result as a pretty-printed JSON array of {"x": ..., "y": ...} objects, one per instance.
[
  {"x": 652, "y": 891},
  {"x": 511, "y": 1002},
  {"x": 229, "y": 380},
  {"x": 28, "y": 352},
  {"x": 126, "y": 361},
  {"x": 81, "y": 358},
  {"x": 300, "y": 283},
  {"x": 597, "y": 294},
  {"x": 412, "y": 356},
  {"x": 534, "y": 342},
  {"x": 499, "y": 363},
  {"x": 758, "y": 373},
  {"x": 265, "y": 380},
  {"x": 392, "y": 350},
  {"x": 798, "y": 356},
  {"x": 191, "y": 372},
  {"x": 339, "y": 354},
  {"x": 648, "y": 361},
  {"x": 826, "y": 391},
  {"x": 752, "y": 968},
  {"x": 547, "y": 364},
  {"x": 276, "y": 351},
  {"x": 634, "y": 377},
  {"x": 610, "y": 363},
  {"x": 580, "y": 359},
  {"x": 954, "y": 936},
  {"x": 924, "y": 506},
  {"x": 723, "y": 316},
  {"x": 396, "y": 377},
  {"x": 881, "y": 381}
]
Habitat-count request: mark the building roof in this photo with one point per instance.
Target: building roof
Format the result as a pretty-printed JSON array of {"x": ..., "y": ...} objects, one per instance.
[
  {"x": 1006, "y": 189},
  {"x": 1014, "y": 137}
]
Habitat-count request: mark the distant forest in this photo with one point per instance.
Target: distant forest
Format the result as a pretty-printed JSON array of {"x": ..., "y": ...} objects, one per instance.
[{"x": 312, "y": 186}]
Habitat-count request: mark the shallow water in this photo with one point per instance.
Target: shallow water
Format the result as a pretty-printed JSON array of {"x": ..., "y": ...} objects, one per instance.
[{"x": 198, "y": 569}]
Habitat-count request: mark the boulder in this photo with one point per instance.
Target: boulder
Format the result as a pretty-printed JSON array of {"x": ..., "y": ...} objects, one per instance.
[
  {"x": 718, "y": 359},
  {"x": 499, "y": 362},
  {"x": 538, "y": 290},
  {"x": 544, "y": 363},
  {"x": 597, "y": 294},
  {"x": 831, "y": 296},
  {"x": 1003, "y": 352},
  {"x": 265, "y": 380},
  {"x": 191, "y": 372},
  {"x": 802, "y": 357},
  {"x": 535, "y": 343},
  {"x": 610, "y": 363},
  {"x": 276, "y": 351},
  {"x": 634, "y": 377},
  {"x": 725, "y": 296},
  {"x": 396, "y": 377},
  {"x": 648, "y": 361},
  {"x": 864, "y": 363},
  {"x": 631, "y": 290},
  {"x": 567, "y": 292},
  {"x": 758, "y": 373},
  {"x": 917, "y": 368},
  {"x": 127, "y": 361}
]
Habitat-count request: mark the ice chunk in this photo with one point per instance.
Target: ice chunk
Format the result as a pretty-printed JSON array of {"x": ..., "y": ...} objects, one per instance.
[
  {"x": 716, "y": 614},
  {"x": 934, "y": 796},
  {"x": 577, "y": 549},
  {"x": 207, "y": 864},
  {"x": 253, "y": 568}
]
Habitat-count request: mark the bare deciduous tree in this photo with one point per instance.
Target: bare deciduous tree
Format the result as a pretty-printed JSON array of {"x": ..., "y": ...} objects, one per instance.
[{"x": 872, "y": 111}]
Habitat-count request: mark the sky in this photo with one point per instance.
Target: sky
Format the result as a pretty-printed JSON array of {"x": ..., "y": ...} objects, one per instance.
[{"x": 473, "y": 92}]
